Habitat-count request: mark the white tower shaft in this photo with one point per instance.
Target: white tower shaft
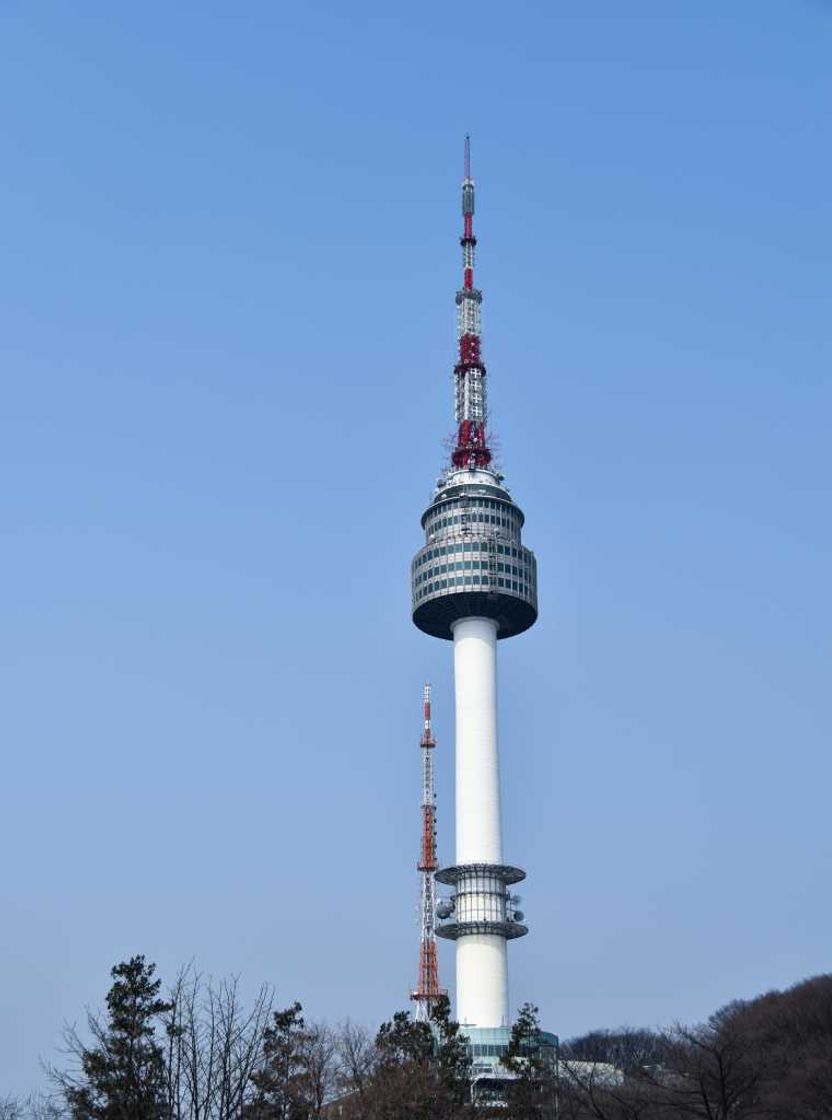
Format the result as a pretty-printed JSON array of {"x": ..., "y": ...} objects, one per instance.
[
  {"x": 481, "y": 959},
  {"x": 478, "y": 824},
  {"x": 482, "y": 980}
]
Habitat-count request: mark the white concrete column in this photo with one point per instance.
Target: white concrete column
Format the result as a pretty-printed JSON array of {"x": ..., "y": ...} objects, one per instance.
[
  {"x": 482, "y": 980},
  {"x": 478, "y": 826},
  {"x": 481, "y": 959}
]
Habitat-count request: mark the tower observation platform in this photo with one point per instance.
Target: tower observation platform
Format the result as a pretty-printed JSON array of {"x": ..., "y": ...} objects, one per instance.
[
  {"x": 474, "y": 583},
  {"x": 474, "y": 563}
]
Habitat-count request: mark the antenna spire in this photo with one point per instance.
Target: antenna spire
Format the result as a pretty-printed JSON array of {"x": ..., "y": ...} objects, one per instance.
[{"x": 471, "y": 451}]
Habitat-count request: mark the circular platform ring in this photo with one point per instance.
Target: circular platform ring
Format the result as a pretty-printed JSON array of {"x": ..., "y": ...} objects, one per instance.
[
  {"x": 507, "y": 874},
  {"x": 513, "y": 615},
  {"x": 452, "y": 931}
]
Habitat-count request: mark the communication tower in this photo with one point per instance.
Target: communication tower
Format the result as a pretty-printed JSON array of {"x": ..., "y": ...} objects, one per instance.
[
  {"x": 427, "y": 990},
  {"x": 475, "y": 583}
]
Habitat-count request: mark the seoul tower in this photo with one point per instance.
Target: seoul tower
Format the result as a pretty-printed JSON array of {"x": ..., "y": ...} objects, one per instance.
[{"x": 474, "y": 583}]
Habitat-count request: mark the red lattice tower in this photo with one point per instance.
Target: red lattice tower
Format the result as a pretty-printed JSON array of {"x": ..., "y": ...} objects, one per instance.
[{"x": 427, "y": 990}]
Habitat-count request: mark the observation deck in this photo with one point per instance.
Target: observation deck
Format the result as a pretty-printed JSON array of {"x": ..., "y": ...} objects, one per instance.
[{"x": 474, "y": 564}]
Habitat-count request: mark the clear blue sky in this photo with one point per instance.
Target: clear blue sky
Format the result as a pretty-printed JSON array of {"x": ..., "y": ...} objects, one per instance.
[{"x": 226, "y": 334}]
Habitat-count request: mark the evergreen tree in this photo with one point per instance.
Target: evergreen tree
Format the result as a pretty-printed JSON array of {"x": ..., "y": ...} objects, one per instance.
[
  {"x": 452, "y": 1061},
  {"x": 402, "y": 1085},
  {"x": 401, "y": 1040},
  {"x": 282, "y": 1090},
  {"x": 423, "y": 1071},
  {"x": 122, "y": 1075},
  {"x": 531, "y": 1093}
]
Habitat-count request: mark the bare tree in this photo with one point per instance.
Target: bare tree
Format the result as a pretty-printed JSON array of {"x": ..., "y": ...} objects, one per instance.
[
  {"x": 34, "y": 1106},
  {"x": 590, "y": 1090},
  {"x": 357, "y": 1062},
  {"x": 43, "y": 1106},
  {"x": 320, "y": 1057},
  {"x": 11, "y": 1108},
  {"x": 710, "y": 1072},
  {"x": 626, "y": 1048},
  {"x": 214, "y": 1047}
]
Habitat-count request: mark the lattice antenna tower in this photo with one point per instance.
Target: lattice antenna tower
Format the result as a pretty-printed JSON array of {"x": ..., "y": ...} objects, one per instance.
[
  {"x": 471, "y": 411},
  {"x": 427, "y": 990}
]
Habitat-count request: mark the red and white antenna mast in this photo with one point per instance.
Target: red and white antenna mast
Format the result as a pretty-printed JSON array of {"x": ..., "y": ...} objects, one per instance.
[
  {"x": 471, "y": 451},
  {"x": 427, "y": 990}
]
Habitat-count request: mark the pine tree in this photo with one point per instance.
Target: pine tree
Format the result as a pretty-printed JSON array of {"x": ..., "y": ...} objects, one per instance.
[
  {"x": 530, "y": 1095},
  {"x": 401, "y": 1040},
  {"x": 404, "y": 1084},
  {"x": 422, "y": 1072},
  {"x": 281, "y": 1082},
  {"x": 452, "y": 1060},
  {"x": 122, "y": 1075}
]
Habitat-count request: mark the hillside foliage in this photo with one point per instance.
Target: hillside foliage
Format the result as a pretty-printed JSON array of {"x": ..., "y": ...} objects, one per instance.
[{"x": 196, "y": 1052}]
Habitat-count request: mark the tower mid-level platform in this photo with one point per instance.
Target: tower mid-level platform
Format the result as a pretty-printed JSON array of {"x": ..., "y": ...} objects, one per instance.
[{"x": 480, "y": 902}]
